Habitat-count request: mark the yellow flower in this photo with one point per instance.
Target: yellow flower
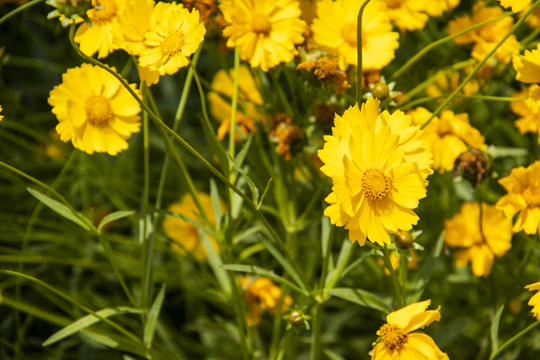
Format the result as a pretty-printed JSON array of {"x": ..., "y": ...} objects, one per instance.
[
  {"x": 407, "y": 15},
  {"x": 1, "y": 116},
  {"x": 249, "y": 101},
  {"x": 535, "y": 300},
  {"x": 397, "y": 341},
  {"x": 264, "y": 31},
  {"x": 479, "y": 243},
  {"x": 447, "y": 136},
  {"x": 99, "y": 37},
  {"x": 335, "y": 31},
  {"x": 523, "y": 186},
  {"x": 528, "y": 66},
  {"x": 438, "y": 7},
  {"x": 447, "y": 82},
  {"x": 174, "y": 34},
  {"x": 94, "y": 110},
  {"x": 378, "y": 168},
  {"x": 185, "y": 236},
  {"x": 529, "y": 120},
  {"x": 133, "y": 22},
  {"x": 263, "y": 294},
  {"x": 485, "y": 37},
  {"x": 395, "y": 259},
  {"x": 516, "y": 5}
]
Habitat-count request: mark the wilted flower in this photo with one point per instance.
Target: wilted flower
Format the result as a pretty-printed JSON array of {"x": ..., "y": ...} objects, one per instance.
[
  {"x": 523, "y": 186},
  {"x": 265, "y": 32},
  {"x": 397, "y": 341},
  {"x": 263, "y": 294},
  {"x": 378, "y": 168},
  {"x": 535, "y": 299},
  {"x": 205, "y": 7},
  {"x": 480, "y": 241},
  {"x": 326, "y": 70},
  {"x": 335, "y": 31},
  {"x": 94, "y": 110},
  {"x": 473, "y": 165}
]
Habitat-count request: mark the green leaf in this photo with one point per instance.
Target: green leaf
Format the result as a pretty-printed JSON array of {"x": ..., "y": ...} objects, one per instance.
[
  {"x": 495, "y": 330},
  {"x": 62, "y": 209},
  {"x": 85, "y": 322},
  {"x": 116, "y": 342},
  {"x": 335, "y": 274},
  {"x": 117, "y": 215},
  {"x": 362, "y": 298},
  {"x": 260, "y": 271},
  {"x": 216, "y": 204},
  {"x": 215, "y": 262},
  {"x": 267, "y": 187},
  {"x": 151, "y": 320},
  {"x": 250, "y": 182},
  {"x": 424, "y": 274}
]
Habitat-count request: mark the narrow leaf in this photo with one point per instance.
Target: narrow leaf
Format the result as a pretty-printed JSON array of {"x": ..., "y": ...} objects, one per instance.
[
  {"x": 117, "y": 215},
  {"x": 362, "y": 298},
  {"x": 60, "y": 209},
  {"x": 216, "y": 204},
  {"x": 495, "y": 330},
  {"x": 85, "y": 322},
  {"x": 264, "y": 192},
  {"x": 153, "y": 314},
  {"x": 116, "y": 342},
  {"x": 263, "y": 272},
  {"x": 215, "y": 262}
]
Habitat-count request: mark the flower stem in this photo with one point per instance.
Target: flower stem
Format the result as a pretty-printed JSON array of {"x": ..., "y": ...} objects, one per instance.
[
  {"x": 316, "y": 343},
  {"x": 19, "y": 9},
  {"x": 514, "y": 339},
  {"x": 395, "y": 281},
  {"x": 359, "y": 52}
]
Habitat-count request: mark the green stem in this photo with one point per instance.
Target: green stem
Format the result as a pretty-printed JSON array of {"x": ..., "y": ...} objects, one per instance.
[
  {"x": 359, "y": 52},
  {"x": 395, "y": 281},
  {"x": 234, "y": 105},
  {"x": 18, "y": 10},
  {"x": 480, "y": 64},
  {"x": 434, "y": 44},
  {"x": 514, "y": 339},
  {"x": 316, "y": 341}
]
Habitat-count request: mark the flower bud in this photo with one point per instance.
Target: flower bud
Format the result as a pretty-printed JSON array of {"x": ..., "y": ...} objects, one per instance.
[
  {"x": 404, "y": 239},
  {"x": 380, "y": 90}
]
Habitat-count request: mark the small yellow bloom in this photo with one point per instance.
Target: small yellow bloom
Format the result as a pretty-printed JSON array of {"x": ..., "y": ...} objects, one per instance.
[
  {"x": 378, "y": 168},
  {"x": 528, "y": 66},
  {"x": 412, "y": 15},
  {"x": 529, "y": 121},
  {"x": 335, "y": 31},
  {"x": 480, "y": 242},
  {"x": 447, "y": 136},
  {"x": 516, "y": 5},
  {"x": 535, "y": 300},
  {"x": 174, "y": 34},
  {"x": 99, "y": 37},
  {"x": 265, "y": 32},
  {"x": 397, "y": 341},
  {"x": 94, "y": 110},
  {"x": 485, "y": 37},
  {"x": 263, "y": 294},
  {"x": 1, "y": 116},
  {"x": 523, "y": 186},
  {"x": 185, "y": 236}
]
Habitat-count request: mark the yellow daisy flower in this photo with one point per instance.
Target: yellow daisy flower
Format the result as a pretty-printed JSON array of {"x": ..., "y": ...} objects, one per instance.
[
  {"x": 99, "y": 37},
  {"x": 407, "y": 15},
  {"x": 174, "y": 34},
  {"x": 438, "y": 7},
  {"x": 485, "y": 37},
  {"x": 523, "y": 186},
  {"x": 185, "y": 236},
  {"x": 94, "y": 110},
  {"x": 447, "y": 136},
  {"x": 334, "y": 30},
  {"x": 528, "y": 66},
  {"x": 249, "y": 100},
  {"x": 535, "y": 300},
  {"x": 529, "y": 120},
  {"x": 516, "y": 5},
  {"x": 263, "y": 294},
  {"x": 265, "y": 31},
  {"x": 378, "y": 167},
  {"x": 397, "y": 340},
  {"x": 480, "y": 243},
  {"x": 133, "y": 22}
]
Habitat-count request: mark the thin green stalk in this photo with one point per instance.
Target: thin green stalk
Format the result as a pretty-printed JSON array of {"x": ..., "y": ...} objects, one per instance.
[
  {"x": 514, "y": 339},
  {"x": 480, "y": 64},
  {"x": 35, "y": 311},
  {"x": 359, "y": 52},
  {"x": 316, "y": 341},
  {"x": 232, "y": 128},
  {"x": 434, "y": 44},
  {"x": 395, "y": 281},
  {"x": 146, "y": 241},
  {"x": 19, "y": 9}
]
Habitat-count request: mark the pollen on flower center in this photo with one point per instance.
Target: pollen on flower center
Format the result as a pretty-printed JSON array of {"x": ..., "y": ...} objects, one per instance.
[
  {"x": 260, "y": 24},
  {"x": 172, "y": 44},
  {"x": 98, "y": 109},
  {"x": 375, "y": 184},
  {"x": 348, "y": 33},
  {"x": 104, "y": 13},
  {"x": 392, "y": 336}
]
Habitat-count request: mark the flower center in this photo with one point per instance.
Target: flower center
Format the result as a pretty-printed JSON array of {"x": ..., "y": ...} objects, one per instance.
[
  {"x": 172, "y": 44},
  {"x": 98, "y": 109},
  {"x": 532, "y": 196},
  {"x": 375, "y": 184},
  {"x": 105, "y": 13},
  {"x": 392, "y": 336},
  {"x": 260, "y": 24},
  {"x": 394, "y": 4},
  {"x": 348, "y": 33}
]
